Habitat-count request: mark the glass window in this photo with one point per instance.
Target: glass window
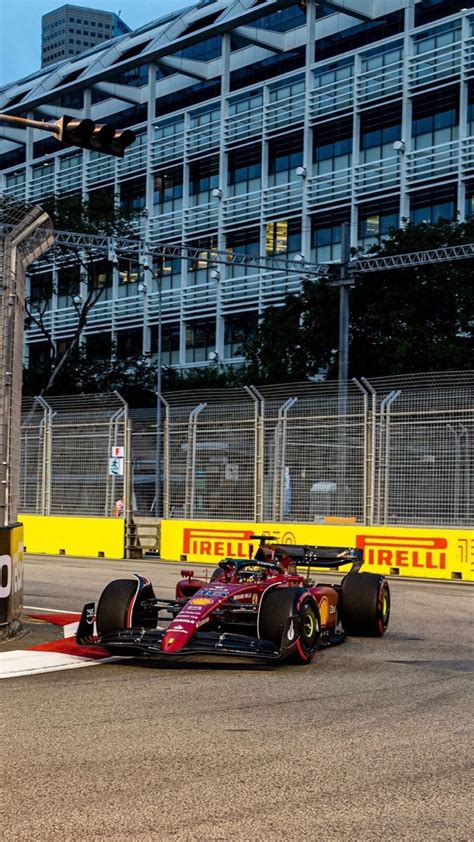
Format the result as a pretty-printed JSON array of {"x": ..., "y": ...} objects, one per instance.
[
  {"x": 168, "y": 190},
  {"x": 283, "y": 237},
  {"x": 169, "y": 343},
  {"x": 376, "y": 222},
  {"x": 244, "y": 170},
  {"x": 326, "y": 235},
  {"x": 430, "y": 206},
  {"x": 200, "y": 340},
  {"x": 285, "y": 154},
  {"x": 238, "y": 330}
]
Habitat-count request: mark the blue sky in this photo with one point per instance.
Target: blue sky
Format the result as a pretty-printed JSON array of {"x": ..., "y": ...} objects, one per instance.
[{"x": 20, "y": 27}]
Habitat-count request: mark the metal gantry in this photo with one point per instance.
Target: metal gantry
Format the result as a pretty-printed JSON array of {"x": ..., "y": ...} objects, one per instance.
[{"x": 112, "y": 247}]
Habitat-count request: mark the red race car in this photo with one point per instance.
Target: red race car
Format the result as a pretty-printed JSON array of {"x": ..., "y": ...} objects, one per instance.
[{"x": 259, "y": 608}]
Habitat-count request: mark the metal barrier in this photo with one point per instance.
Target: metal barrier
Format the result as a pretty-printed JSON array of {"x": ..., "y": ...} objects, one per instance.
[{"x": 400, "y": 454}]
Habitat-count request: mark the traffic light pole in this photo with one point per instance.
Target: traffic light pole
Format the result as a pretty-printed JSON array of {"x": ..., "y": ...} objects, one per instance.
[
  {"x": 83, "y": 133},
  {"x": 34, "y": 124}
]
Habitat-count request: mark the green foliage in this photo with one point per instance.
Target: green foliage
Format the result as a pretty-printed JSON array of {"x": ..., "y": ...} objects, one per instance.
[{"x": 402, "y": 320}]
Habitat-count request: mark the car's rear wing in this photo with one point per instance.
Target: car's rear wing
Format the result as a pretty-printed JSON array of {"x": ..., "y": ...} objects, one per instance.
[{"x": 313, "y": 555}]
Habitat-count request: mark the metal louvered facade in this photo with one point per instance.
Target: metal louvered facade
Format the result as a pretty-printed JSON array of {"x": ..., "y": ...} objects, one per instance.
[{"x": 262, "y": 127}]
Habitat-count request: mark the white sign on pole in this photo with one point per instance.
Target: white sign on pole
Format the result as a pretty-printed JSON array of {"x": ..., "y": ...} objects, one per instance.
[
  {"x": 117, "y": 452},
  {"x": 116, "y": 466}
]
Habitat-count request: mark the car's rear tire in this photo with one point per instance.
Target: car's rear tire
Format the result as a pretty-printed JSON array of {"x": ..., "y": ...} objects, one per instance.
[
  {"x": 114, "y": 604},
  {"x": 277, "y": 608},
  {"x": 365, "y": 604}
]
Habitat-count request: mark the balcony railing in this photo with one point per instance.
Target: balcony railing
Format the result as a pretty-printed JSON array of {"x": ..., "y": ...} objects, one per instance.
[
  {"x": 134, "y": 160},
  {"x": 378, "y": 175},
  {"x": 275, "y": 287},
  {"x": 70, "y": 179},
  {"x": 432, "y": 163},
  {"x": 241, "y": 127},
  {"x": 200, "y": 300},
  {"x": 283, "y": 199},
  {"x": 164, "y": 149},
  {"x": 100, "y": 170},
  {"x": 201, "y": 218},
  {"x": 203, "y": 139},
  {"x": 435, "y": 65},
  {"x": 387, "y": 81},
  {"x": 240, "y": 293},
  {"x": 329, "y": 187},
  {"x": 16, "y": 191},
  {"x": 170, "y": 304},
  {"x": 285, "y": 112},
  {"x": 41, "y": 186},
  {"x": 467, "y": 154},
  {"x": 469, "y": 57},
  {"x": 166, "y": 226},
  {"x": 330, "y": 98},
  {"x": 240, "y": 209}
]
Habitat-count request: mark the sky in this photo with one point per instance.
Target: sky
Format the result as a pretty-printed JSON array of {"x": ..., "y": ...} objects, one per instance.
[{"x": 20, "y": 27}]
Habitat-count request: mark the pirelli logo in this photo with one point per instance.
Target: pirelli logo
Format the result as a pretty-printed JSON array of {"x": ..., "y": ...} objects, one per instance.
[
  {"x": 229, "y": 543},
  {"x": 401, "y": 551}
]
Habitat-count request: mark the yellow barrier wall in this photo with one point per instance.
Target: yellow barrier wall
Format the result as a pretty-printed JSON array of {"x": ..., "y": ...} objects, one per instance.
[
  {"x": 406, "y": 551},
  {"x": 74, "y": 536}
]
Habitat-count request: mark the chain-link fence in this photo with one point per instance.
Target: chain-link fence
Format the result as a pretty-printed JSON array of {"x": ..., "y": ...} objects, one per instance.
[
  {"x": 401, "y": 452},
  {"x": 67, "y": 463}
]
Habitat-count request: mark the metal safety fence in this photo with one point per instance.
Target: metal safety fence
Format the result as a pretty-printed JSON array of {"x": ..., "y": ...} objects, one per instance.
[{"x": 393, "y": 450}]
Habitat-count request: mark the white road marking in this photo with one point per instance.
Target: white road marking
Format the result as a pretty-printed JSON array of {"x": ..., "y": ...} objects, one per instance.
[{"x": 28, "y": 662}]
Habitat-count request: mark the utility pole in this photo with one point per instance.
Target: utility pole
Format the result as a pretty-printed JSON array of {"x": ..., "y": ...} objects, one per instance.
[{"x": 344, "y": 283}]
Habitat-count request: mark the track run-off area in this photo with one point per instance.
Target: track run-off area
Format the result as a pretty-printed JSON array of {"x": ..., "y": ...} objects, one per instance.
[{"x": 372, "y": 741}]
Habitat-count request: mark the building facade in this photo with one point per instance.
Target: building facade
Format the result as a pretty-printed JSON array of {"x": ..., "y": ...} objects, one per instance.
[
  {"x": 70, "y": 30},
  {"x": 262, "y": 126}
]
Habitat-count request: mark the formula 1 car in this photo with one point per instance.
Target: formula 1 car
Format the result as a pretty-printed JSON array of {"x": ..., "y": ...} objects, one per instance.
[{"x": 260, "y": 608}]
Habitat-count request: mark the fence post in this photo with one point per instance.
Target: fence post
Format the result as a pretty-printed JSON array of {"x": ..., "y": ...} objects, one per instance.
[
  {"x": 46, "y": 455},
  {"x": 258, "y": 466},
  {"x": 110, "y": 480},
  {"x": 191, "y": 461},
  {"x": 280, "y": 458},
  {"x": 371, "y": 451},
  {"x": 166, "y": 459}
]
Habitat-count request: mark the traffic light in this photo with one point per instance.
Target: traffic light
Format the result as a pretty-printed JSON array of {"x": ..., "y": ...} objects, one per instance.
[{"x": 90, "y": 135}]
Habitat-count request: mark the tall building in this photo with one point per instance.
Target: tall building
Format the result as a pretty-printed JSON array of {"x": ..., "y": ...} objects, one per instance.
[
  {"x": 70, "y": 30},
  {"x": 261, "y": 127}
]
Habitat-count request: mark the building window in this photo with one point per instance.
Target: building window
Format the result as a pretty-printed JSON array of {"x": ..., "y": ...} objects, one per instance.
[
  {"x": 129, "y": 343},
  {"x": 132, "y": 194},
  {"x": 332, "y": 147},
  {"x": 168, "y": 190},
  {"x": 200, "y": 340},
  {"x": 326, "y": 235},
  {"x": 245, "y": 170},
  {"x": 169, "y": 343},
  {"x": 285, "y": 154},
  {"x": 238, "y": 330},
  {"x": 245, "y": 242},
  {"x": 376, "y": 221},
  {"x": 203, "y": 177},
  {"x": 283, "y": 237},
  {"x": 431, "y": 205},
  {"x": 379, "y": 130},
  {"x": 435, "y": 118}
]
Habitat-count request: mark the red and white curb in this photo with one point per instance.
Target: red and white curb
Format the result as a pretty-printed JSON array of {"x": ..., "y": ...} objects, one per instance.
[{"x": 62, "y": 654}]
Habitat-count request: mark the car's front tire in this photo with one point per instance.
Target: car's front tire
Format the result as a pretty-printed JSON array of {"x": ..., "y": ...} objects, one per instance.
[
  {"x": 365, "y": 604},
  {"x": 278, "y": 606},
  {"x": 114, "y": 605}
]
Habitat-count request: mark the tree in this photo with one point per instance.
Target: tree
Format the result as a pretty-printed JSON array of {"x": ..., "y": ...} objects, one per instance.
[
  {"x": 402, "y": 320},
  {"x": 83, "y": 273}
]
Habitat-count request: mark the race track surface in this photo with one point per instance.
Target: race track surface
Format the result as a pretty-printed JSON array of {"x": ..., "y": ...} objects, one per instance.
[{"x": 372, "y": 741}]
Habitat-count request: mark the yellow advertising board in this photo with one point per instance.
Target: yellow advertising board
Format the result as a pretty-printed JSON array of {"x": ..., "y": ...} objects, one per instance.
[
  {"x": 98, "y": 537},
  {"x": 406, "y": 551}
]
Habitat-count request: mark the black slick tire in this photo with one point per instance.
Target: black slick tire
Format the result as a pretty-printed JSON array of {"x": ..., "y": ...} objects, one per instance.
[
  {"x": 278, "y": 606},
  {"x": 114, "y": 604},
  {"x": 365, "y": 604}
]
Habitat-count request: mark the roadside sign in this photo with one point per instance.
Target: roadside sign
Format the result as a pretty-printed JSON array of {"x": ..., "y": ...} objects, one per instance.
[
  {"x": 116, "y": 466},
  {"x": 117, "y": 452}
]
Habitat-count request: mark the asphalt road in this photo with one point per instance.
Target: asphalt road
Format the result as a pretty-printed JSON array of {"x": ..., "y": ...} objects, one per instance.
[{"x": 371, "y": 741}]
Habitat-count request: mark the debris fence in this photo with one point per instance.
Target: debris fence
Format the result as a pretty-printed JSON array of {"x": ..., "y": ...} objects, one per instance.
[{"x": 393, "y": 450}]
